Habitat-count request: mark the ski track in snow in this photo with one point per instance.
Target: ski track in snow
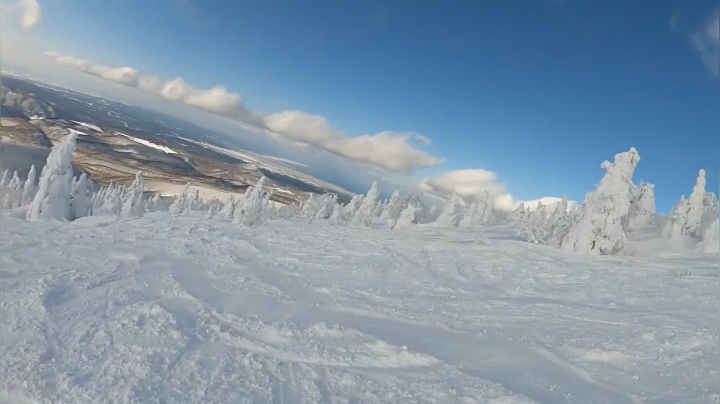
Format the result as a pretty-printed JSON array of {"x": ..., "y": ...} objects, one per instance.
[{"x": 186, "y": 310}]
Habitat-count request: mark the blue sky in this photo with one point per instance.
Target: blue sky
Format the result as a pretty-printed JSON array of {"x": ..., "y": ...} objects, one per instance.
[{"x": 537, "y": 92}]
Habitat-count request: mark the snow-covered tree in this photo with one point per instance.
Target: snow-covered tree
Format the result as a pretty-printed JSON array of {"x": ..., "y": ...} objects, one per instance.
[
  {"x": 379, "y": 208},
  {"x": 485, "y": 208},
  {"x": 419, "y": 202},
  {"x": 432, "y": 214},
  {"x": 181, "y": 204},
  {"x": 310, "y": 206},
  {"x": 686, "y": 218},
  {"x": 472, "y": 217},
  {"x": 195, "y": 202},
  {"x": 337, "y": 213},
  {"x": 325, "y": 207},
  {"x": 559, "y": 223},
  {"x": 227, "y": 210},
  {"x": 351, "y": 208},
  {"x": 696, "y": 207},
  {"x": 599, "y": 229},
  {"x": 712, "y": 208},
  {"x": 518, "y": 214},
  {"x": 448, "y": 217},
  {"x": 534, "y": 226},
  {"x": 12, "y": 194},
  {"x": 133, "y": 205},
  {"x": 211, "y": 212},
  {"x": 249, "y": 211},
  {"x": 81, "y": 198},
  {"x": 711, "y": 238},
  {"x": 5, "y": 178},
  {"x": 364, "y": 214},
  {"x": 113, "y": 199},
  {"x": 52, "y": 201},
  {"x": 642, "y": 206},
  {"x": 154, "y": 204},
  {"x": 407, "y": 217},
  {"x": 30, "y": 187},
  {"x": 392, "y": 209}
]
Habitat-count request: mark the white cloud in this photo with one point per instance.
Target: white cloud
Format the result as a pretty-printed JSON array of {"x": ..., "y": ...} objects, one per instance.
[
  {"x": 472, "y": 183},
  {"x": 388, "y": 150},
  {"x": 24, "y": 14},
  {"x": 216, "y": 100},
  {"x": 707, "y": 42},
  {"x": 31, "y": 13}
]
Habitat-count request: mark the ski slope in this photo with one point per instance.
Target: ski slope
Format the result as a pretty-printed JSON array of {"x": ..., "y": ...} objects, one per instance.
[{"x": 187, "y": 310}]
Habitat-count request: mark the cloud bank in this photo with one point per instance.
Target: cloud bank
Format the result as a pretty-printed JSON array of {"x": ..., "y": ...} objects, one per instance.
[
  {"x": 389, "y": 150},
  {"x": 472, "y": 184}
]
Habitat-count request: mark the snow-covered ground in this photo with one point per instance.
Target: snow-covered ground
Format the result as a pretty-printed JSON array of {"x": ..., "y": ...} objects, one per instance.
[
  {"x": 185, "y": 310},
  {"x": 147, "y": 143}
]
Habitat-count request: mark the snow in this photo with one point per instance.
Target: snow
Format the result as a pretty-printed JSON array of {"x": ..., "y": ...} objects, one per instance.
[
  {"x": 89, "y": 126},
  {"x": 182, "y": 309},
  {"x": 147, "y": 143},
  {"x": 77, "y": 132}
]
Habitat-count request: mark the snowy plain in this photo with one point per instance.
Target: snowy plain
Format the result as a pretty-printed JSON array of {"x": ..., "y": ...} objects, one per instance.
[{"x": 164, "y": 309}]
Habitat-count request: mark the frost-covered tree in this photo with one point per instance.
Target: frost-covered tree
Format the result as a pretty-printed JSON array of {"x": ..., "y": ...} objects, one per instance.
[
  {"x": 52, "y": 201},
  {"x": 12, "y": 194},
  {"x": 518, "y": 215},
  {"x": 249, "y": 211},
  {"x": 534, "y": 226},
  {"x": 325, "y": 207},
  {"x": 448, "y": 217},
  {"x": 112, "y": 201},
  {"x": 211, "y": 212},
  {"x": 416, "y": 199},
  {"x": 351, "y": 208},
  {"x": 379, "y": 208},
  {"x": 337, "y": 213},
  {"x": 431, "y": 214},
  {"x": 133, "y": 205},
  {"x": 711, "y": 238},
  {"x": 195, "y": 202},
  {"x": 154, "y": 204},
  {"x": 559, "y": 223},
  {"x": 686, "y": 218},
  {"x": 30, "y": 187},
  {"x": 674, "y": 225},
  {"x": 227, "y": 210},
  {"x": 485, "y": 208},
  {"x": 696, "y": 206},
  {"x": 407, "y": 217},
  {"x": 364, "y": 214},
  {"x": 81, "y": 198},
  {"x": 310, "y": 206},
  {"x": 599, "y": 228},
  {"x": 5, "y": 178},
  {"x": 642, "y": 206},
  {"x": 393, "y": 207},
  {"x": 712, "y": 208},
  {"x": 472, "y": 217},
  {"x": 181, "y": 204}
]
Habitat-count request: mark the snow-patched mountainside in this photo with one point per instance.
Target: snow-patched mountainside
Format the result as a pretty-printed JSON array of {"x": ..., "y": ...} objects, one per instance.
[{"x": 186, "y": 310}]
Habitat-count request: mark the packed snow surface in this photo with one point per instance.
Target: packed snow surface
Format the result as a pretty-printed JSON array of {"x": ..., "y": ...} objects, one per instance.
[{"x": 184, "y": 310}]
